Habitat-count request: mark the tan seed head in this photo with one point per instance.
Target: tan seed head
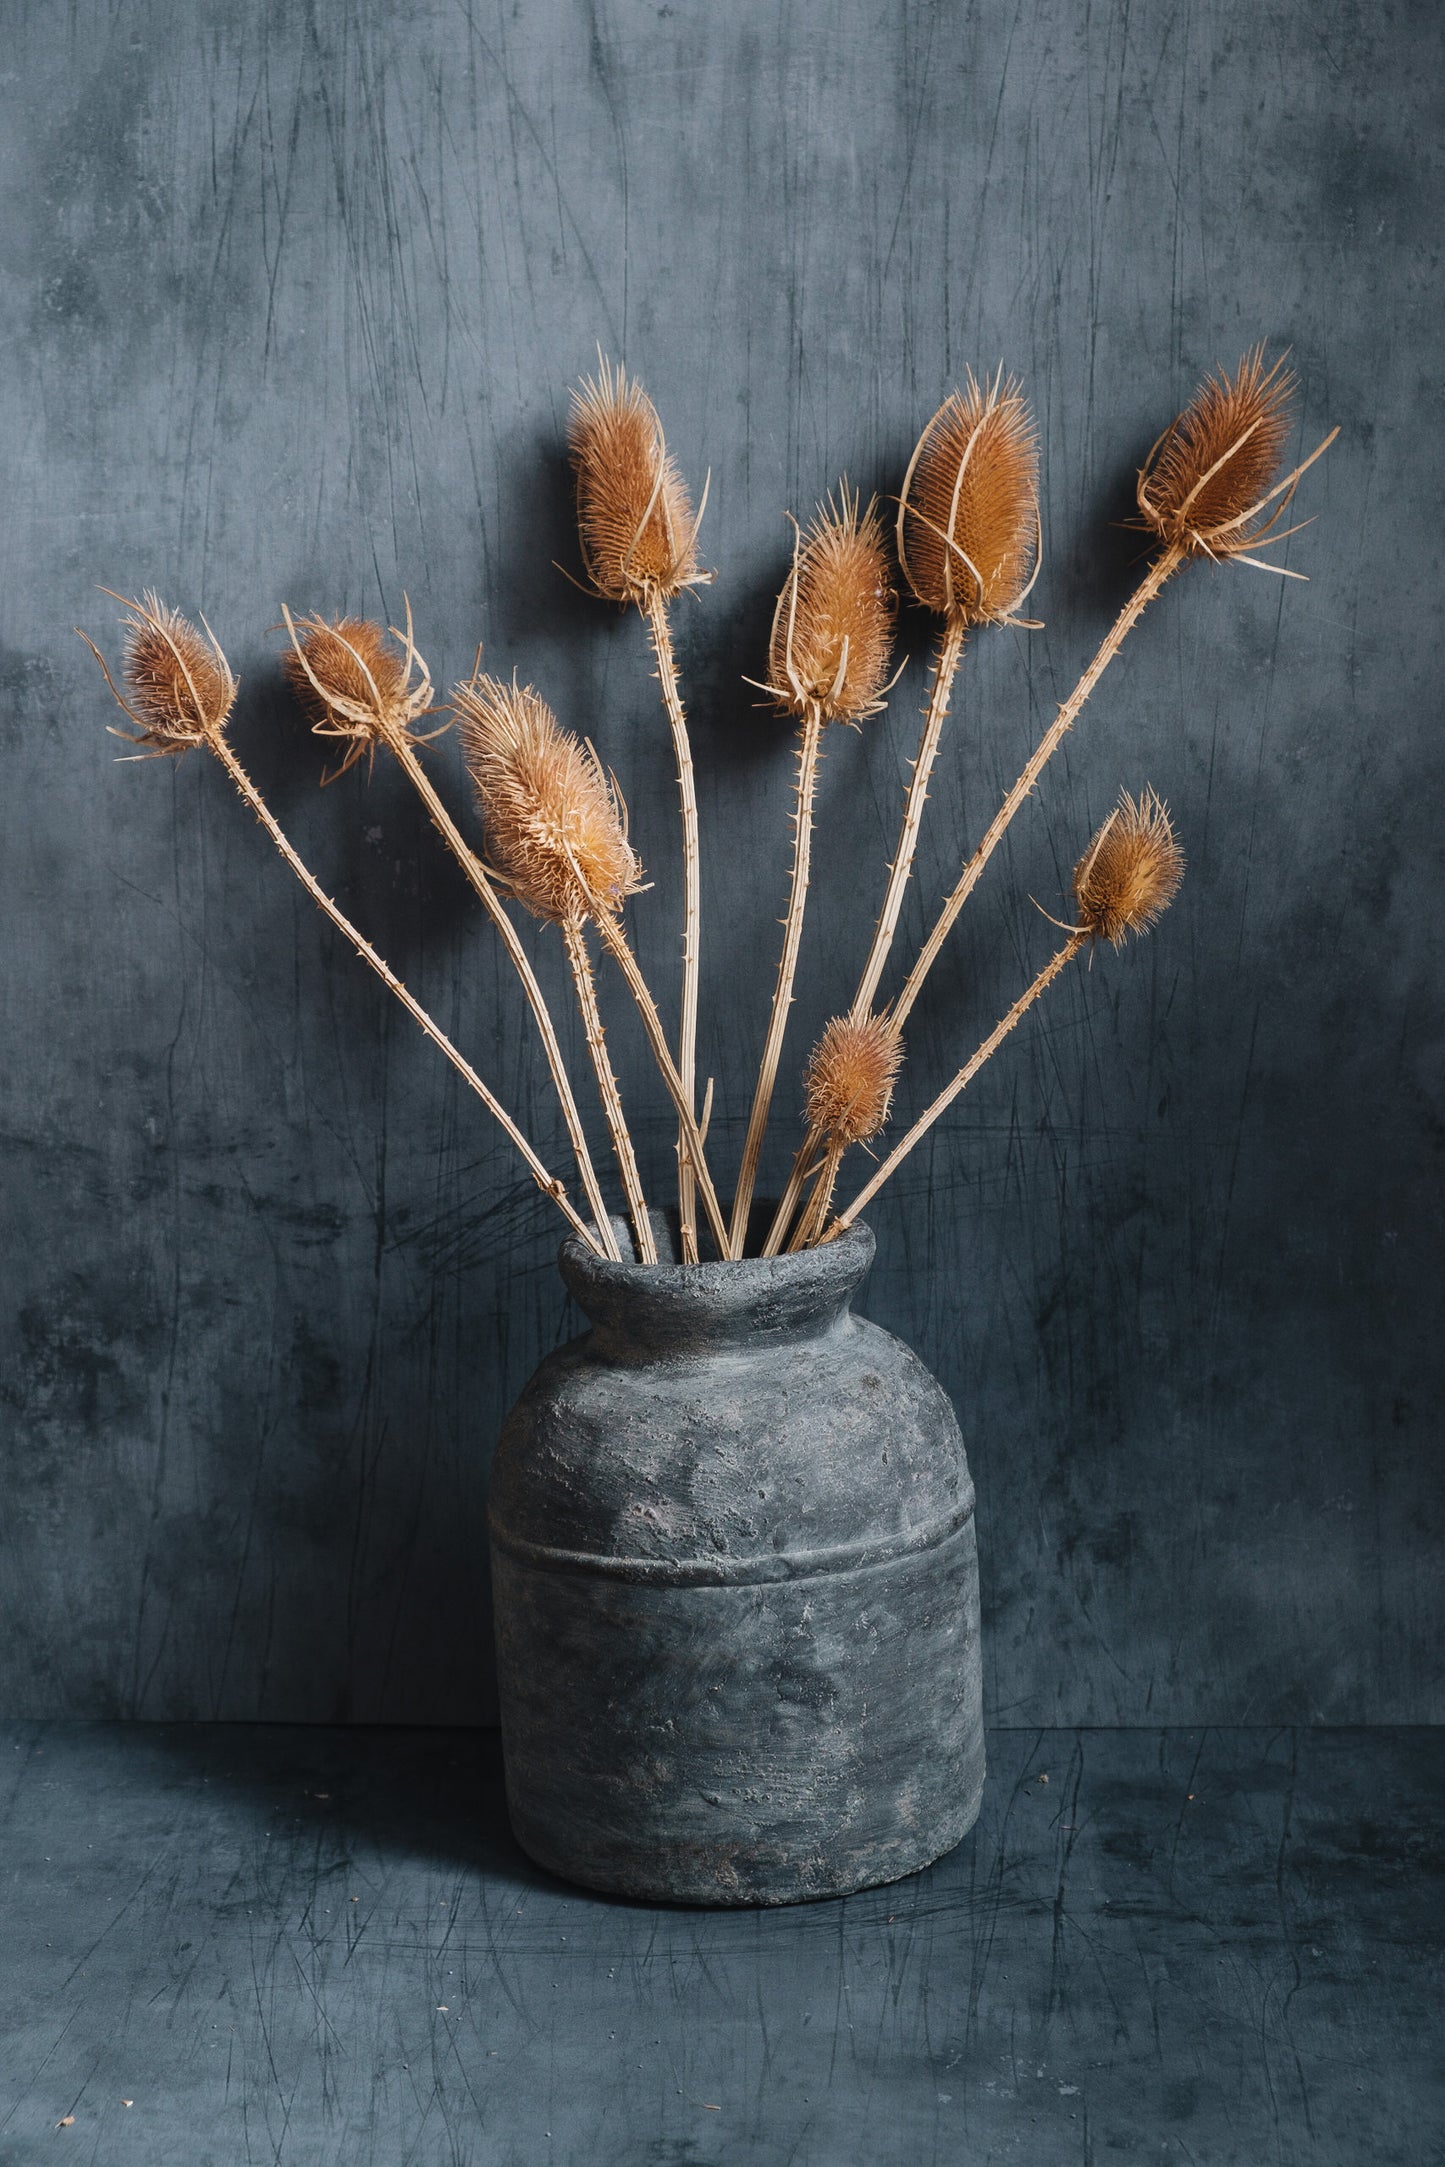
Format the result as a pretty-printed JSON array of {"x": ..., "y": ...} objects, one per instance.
[
  {"x": 354, "y": 679},
  {"x": 968, "y": 518},
  {"x": 179, "y": 690},
  {"x": 1131, "y": 871},
  {"x": 556, "y": 830},
  {"x": 849, "y": 1079},
  {"x": 833, "y": 626},
  {"x": 634, "y": 516},
  {"x": 1205, "y": 486}
]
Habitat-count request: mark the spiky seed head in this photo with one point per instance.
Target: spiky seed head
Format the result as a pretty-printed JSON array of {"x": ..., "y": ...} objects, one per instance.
[
  {"x": 1204, "y": 486},
  {"x": 556, "y": 830},
  {"x": 849, "y": 1079},
  {"x": 833, "y": 626},
  {"x": 1131, "y": 871},
  {"x": 179, "y": 690},
  {"x": 346, "y": 672},
  {"x": 634, "y": 516},
  {"x": 968, "y": 519}
]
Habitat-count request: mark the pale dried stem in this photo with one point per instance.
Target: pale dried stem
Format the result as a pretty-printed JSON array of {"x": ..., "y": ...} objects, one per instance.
[
  {"x": 787, "y": 970},
  {"x": 960, "y": 1082},
  {"x": 945, "y": 668},
  {"x": 661, "y": 634},
  {"x": 615, "y": 941},
  {"x": 811, "y": 1218},
  {"x": 1163, "y": 566},
  {"x": 575, "y": 942},
  {"x": 401, "y": 745},
  {"x": 548, "y": 1183}
]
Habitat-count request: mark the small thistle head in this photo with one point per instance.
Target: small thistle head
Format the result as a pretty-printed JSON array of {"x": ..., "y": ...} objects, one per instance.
[
  {"x": 179, "y": 690},
  {"x": 849, "y": 1079},
  {"x": 354, "y": 679},
  {"x": 1209, "y": 481},
  {"x": 1131, "y": 871},
  {"x": 556, "y": 827},
  {"x": 968, "y": 518},
  {"x": 833, "y": 626},
  {"x": 636, "y": 522}
]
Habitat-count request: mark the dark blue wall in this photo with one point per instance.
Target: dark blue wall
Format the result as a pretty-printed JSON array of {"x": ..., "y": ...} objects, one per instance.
[{"x": 292, "y": 298}]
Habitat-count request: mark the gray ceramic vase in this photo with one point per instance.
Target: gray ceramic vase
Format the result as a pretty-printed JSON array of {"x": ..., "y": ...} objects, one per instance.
[{"x": 736, "y": 1589}]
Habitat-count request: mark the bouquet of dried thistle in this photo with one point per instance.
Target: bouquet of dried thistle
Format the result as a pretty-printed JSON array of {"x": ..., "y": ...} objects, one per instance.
[{"x": 968, "y": 540}]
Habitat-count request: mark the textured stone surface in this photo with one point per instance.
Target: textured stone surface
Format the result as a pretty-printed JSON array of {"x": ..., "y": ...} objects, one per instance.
[
  {"x": 736, "y": 1589},
  {"x": 291, "y": 299},
  {"x": 1220, "y": 1948}
]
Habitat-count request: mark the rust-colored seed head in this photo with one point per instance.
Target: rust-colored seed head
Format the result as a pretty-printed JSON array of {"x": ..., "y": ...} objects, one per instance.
[
  {"x": 1131, "y": 871},
  {"x": 555, "y": 829},
  {"x": 1205, "y": 484},
  {"x": 636, "y": 522},
  {"x": 181, "y": 690},
  {"x": 850, "y": 1076},
  {"x": 833, "y": 627},
  {"x": 968, "y": 519},
  {"x": 346, "y": 672}
]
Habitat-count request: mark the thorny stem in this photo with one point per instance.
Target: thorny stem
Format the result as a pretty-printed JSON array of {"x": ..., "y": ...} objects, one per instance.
[
  {"x": 811, "y": 1218},
  {"x": 945, "y": 668},
  {"x": 615, "y": 941},
  {"x": 787, "y": 969},
  {"x": 960, "y": 1083},
  {"x": 545, "y": 1181},
  {"x": 575, "y": 942},
  {"x": 401, "y": 745},
  {"x": 661, "y": 635},
  {"x": 1167, "y": 563}
]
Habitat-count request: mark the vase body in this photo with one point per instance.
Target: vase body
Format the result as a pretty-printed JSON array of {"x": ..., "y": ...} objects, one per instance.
[{"x": 736, "y": 1589}]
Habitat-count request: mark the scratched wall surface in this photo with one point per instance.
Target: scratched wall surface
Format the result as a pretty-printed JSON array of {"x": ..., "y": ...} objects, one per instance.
[{"x": 291, "y": 301}]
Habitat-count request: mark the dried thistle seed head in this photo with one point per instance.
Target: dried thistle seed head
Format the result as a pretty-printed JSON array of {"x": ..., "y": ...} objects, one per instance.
[
  {"x": 1131, "y": 871},
  {"x": 179, "y": 690},
  {"x": 636, "y": 522},
  {"x": 849, "y": 1079},
  {"x": 556, "y": 829},
  {"x": 354, "y": 679},
  {"x": 833, "y": 626},
  {"x": 1204, "y": 486},
  {"x": 968, "y": 518}
]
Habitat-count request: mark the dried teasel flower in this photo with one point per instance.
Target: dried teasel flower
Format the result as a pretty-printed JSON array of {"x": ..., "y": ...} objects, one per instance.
[
  {"x": 179, "y": 690},
  {"x": 1208, "y": 484},
  {"x": 637, "y": 525},
  {"x": 355, "y": 681},
  {"x": 833, "y": 626},
  {"x": 1131, "y": 871},
  {"x": 968, "y": 517},
  {"x": 850, "y": 1076},
  {"x": 556, "y": 824}
]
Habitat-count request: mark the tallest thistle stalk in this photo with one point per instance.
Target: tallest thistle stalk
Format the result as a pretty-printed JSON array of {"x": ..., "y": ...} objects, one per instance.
[{"x": 639, "y": 545}]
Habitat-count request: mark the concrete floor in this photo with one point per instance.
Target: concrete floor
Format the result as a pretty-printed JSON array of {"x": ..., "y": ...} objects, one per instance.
[{"x": 229, "y": 1944}]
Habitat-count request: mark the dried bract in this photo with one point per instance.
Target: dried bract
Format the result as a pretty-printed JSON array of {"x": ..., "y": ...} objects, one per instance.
[
  {"x": 1208, "y": 484},
  {"x": 556, "y": 828},
  {"x": 1131, "y": 871},
  {"x": 968, "y": 518},
  {"x": 849, "y": 1078},
  {"x": 637, "y": 525},
  {"x": 179, "y": 690},
  {"x": 355, "y": 680},
  {"x": 833, "y": 626}
]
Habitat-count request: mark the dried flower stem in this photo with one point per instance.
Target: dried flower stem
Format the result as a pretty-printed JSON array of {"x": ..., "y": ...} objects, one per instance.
[
  {"x": 615, "y": 941},
  {"x": 661, "y": 635},
  {"x": 787, "y": 970},
  {"x": 1167, "y": 563},
  {"x": 548, "y": 1183},
  {"x": 401, "y": 745},
  {"x": 945, "y": 668},
  {"x": 575, "y": 941},
  {"x": 811, "y": 1217},
  {"x": 959, "y": 1083}
]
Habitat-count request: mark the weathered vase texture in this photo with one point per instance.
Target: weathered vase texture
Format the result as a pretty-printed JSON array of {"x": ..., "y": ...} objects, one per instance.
[{"x": 736, "y": 1588}]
